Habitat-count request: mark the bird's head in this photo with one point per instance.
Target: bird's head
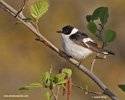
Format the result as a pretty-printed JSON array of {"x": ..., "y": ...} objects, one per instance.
[{"x": 66, "y": 30}]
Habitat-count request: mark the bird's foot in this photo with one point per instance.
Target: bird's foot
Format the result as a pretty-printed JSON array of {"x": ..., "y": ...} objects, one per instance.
[
  {"x": 78, "y": 64},
  {"x": 63, "y": 54}
]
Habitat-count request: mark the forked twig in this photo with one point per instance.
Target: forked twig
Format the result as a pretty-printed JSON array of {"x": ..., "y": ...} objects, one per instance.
[
  {"x": 92, "y": 63},
  {"x": 55, "y": 96},
  {"x": 21, "y": 9},
  {"x": 89, "y": 91},
  {"x": 99, "y": 36}
]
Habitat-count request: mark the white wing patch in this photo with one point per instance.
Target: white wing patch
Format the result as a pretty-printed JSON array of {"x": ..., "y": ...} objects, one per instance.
[
  {"x": 87, "y": 40},
  {"x": 105, "y": 53}
]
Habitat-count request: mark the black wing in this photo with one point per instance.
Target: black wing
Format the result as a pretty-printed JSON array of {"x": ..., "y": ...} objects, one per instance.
[{"x": 79, "y": 37}]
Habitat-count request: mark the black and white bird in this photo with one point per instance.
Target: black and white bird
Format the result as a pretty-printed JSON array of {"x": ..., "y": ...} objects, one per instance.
[{"x": 78, "y": 45}]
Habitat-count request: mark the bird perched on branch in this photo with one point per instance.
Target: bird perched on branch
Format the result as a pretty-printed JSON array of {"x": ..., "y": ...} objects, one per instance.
[{"x": 78, "y": 45}]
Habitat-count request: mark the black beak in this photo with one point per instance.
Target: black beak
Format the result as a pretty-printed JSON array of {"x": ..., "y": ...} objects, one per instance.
[{"x": 59, "y": 31}]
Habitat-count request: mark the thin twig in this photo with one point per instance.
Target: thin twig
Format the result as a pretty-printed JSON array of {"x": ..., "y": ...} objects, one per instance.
[
  {"x": 99, "y": 35},
  {"x": 37, "y": 28},
  {"x": 89, "y": 91},
  {"x": 38, "y": 38},
  {"x": 55, "y": 96},
  {"x": 21, "y": 9},
  {"x": 92, "y": 63},
  {"x": 13, "y": 12},
  {"x": 57, "y": 91}
]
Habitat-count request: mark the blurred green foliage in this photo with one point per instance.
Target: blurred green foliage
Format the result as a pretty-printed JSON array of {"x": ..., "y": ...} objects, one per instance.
[
  {"x": 100, "y": 13},
  {"x": 50, "y": 81},
  {"x": 29, "y": 86},
  {"x": 122, "y": 86}
]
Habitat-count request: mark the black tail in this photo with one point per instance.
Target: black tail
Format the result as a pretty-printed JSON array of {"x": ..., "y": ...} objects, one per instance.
[
  {"x": 107, "y": 52},
  {"x": 111, "y": 53}
]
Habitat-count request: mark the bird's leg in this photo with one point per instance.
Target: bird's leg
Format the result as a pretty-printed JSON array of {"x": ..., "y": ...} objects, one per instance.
[{"x": 78, "y": 65}]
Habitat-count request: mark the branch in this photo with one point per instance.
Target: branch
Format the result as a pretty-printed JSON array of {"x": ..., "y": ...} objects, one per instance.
[
  {"x": 13, "y": 12},
  {"x": 93, "y": 92}
]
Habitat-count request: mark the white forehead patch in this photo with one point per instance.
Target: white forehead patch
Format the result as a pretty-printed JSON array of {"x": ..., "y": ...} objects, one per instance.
[{"x": 74, "y": 31}]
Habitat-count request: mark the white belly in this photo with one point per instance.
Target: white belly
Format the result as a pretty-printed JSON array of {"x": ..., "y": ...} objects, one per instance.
[{"x": 74, "y": 50}]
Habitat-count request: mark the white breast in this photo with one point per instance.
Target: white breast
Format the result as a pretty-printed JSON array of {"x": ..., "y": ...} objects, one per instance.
[{"x": 74, "y": 50}]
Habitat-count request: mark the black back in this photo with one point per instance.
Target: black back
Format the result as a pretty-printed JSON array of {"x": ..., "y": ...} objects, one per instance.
[{"x": 79, "y": 36}]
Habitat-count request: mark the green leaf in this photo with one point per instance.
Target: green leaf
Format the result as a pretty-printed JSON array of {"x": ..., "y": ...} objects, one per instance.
[
  {"x": 25, "y": 20},
  {"x": 88, "y": 18},
  {"x": 61, "y": 82},
  {"x": 109, "y": 35},
  {"x": 92, "y": 27},
  {"x": 67, "y": 71},
  {"x": 104, "y": 16},
  {"x": 29, "y": 86},
  {"x": 97, "y": 12},
  {"x": 52, "y": 76},
  {"x": 102, "y": 13},
  {"x": 62, "y": 85},
  {"x": 59, "y": 77},
  {"x": 45, "y": 77},
  {"x": 48, "y": 97},
  {"x": 38, "y": 9},
  {"x": 122, "y": 86}
]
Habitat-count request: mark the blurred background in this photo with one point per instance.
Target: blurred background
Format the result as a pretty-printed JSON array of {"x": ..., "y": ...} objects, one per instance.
[{"x": 23, "y": 60}]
